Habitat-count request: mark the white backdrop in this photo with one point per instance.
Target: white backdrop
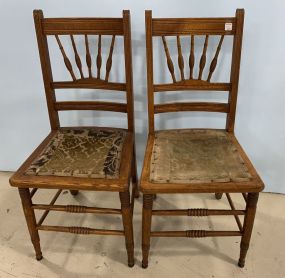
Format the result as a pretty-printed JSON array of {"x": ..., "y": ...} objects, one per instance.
[{"x": 260, "y": 114}]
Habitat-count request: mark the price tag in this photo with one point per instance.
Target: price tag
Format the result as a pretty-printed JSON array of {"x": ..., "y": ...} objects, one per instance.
[{"x": 228, "y": 26}]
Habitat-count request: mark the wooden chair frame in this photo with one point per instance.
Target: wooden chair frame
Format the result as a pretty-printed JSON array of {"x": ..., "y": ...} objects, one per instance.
[
  {"x": 128, "y": 173},
  {"x": 250, "y": 190}
]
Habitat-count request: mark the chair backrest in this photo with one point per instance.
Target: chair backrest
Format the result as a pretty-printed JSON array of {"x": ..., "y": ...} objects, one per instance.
[
  {"x": 57, "y": 27},
  {"x": 162, "y": 27}
]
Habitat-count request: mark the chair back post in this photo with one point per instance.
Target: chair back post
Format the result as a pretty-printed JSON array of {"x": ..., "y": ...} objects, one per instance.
[
  {"x": 235, "y": 69},
  {"x": 149, "y": 65},
  {"x": 128, "y": 68},
  {"x": 46, "y": 69}
]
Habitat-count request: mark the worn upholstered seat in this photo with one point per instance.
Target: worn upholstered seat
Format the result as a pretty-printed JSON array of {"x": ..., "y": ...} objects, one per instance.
[
  {"x": 93, "y": 153},
  {"x": 196, "y": 156}
]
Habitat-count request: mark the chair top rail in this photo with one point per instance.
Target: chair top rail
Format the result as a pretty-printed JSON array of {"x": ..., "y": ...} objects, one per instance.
[
  {"x": 194, "y": 26},
  {"x": 77, "y": 26}
]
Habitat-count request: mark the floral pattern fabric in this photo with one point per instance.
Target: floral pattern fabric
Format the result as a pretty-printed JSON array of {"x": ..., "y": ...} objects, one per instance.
[{"x": 94, "y": 153}]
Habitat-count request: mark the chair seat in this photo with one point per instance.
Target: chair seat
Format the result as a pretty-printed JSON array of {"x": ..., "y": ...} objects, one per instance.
[
  {"x": 72, "y": 153},
  {"x": 94, "y": 153},
  {"x": 196, "y": 159}
]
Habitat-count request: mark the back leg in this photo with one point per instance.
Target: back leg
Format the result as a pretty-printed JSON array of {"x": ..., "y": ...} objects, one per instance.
[
  {"x": 218, "y": 196},
  {"x": 135, "y": 175},
  {"x": 74, "y": 192}
]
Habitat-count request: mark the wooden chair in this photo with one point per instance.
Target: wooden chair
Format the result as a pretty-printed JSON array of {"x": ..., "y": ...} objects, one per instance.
[
  {"x": 196, "y": 160},
  {"x": 82, "y": 158}
]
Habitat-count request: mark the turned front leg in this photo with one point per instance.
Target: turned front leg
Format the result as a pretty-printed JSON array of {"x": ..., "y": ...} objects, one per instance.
[
  {"x": 31, "y": 220},
  {"x": 252, "y": 199},
  {"x": 128, "y": 225}
]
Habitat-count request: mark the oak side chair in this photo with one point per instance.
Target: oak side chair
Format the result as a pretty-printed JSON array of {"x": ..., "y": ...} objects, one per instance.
[
  {"x": 196, "y": 160},
  {"x": 82, "y": 158}
]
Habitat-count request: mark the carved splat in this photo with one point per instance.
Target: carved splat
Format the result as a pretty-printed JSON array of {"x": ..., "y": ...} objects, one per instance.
[
  {"x": 77, "y": 58},
  {"x": 192, "y": 57},
  {"x": 65, "y": 58},
  {"x": 191, "y": 61},
  {"x": 99, "y": 58},
  {"x": 215, "y": 59},
  {"x": 203, "y": 57},
  {"x": 109, "y": 60},
  {"x": 180, "y": 58},
  {"x": 88, "y": 57},
  {"x": 169, "y": 61}
]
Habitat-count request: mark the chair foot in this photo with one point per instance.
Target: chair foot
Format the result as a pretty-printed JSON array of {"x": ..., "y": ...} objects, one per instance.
[
  {"x": 39, "y": 257},
  {"x": 131, "y": 264},
  {"x": 243, "y": 251},
  {"x": 144, "y": 265},
  {"x": 74, "y": 192},
  {"x": 241, "y": 263},
  {"x": 218, "y": 196}
]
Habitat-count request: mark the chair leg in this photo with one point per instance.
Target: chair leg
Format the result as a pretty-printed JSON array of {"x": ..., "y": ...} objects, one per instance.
[
  {"x": 146, "y": 227},
  {"x": 128, "y": 225},
  {"x": 247, "y": 226},
  {"x": 218, "y": 196},
  {"x": 31, "y": 220},
  {"x": 135, "y": 176},
  {"x": 74, "y": 192}
]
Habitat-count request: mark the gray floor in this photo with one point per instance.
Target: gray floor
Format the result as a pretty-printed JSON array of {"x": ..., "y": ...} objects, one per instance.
[{"x": 68, "y": 255}]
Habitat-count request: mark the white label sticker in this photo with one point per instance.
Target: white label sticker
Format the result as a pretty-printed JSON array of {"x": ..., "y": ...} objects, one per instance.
[{"x": 228, "y": 26}]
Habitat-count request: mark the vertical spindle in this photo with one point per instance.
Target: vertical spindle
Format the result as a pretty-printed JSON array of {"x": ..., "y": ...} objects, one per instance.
[
  {"x": 77, "y": 58},
  {"x": 180, "y": 58},
  {"x": 192, "y": 57},
  {"x": 99, "y": 57},
  {"x": 203, "y": 57},
  {"x": 109, "y": 60},
  {"x": 65, "y": 58},
  {"x": 215, "y": 59},
  {"x": 169, "y": 61},
  {"x": 88, "y": 57}
]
